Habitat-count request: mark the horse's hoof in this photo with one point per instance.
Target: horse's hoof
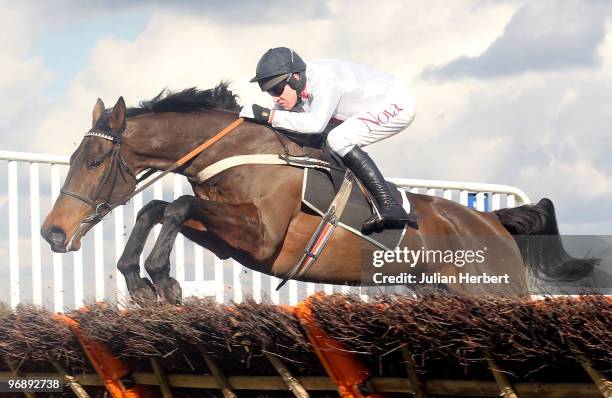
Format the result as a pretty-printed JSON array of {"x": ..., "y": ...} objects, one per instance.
[
  {"x": 144, "y": 293},
  {"x": 170, "y": 290}
]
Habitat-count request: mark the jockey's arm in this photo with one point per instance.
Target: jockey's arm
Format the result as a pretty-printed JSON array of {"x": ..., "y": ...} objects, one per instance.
[{"x": 326, "y": 95}]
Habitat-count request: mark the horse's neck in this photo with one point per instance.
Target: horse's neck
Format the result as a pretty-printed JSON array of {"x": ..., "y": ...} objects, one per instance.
[{"x": 159, "y": 140}]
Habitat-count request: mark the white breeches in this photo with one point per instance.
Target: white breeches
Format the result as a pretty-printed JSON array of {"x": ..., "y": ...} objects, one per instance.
[{"x": 376, "y": 123}]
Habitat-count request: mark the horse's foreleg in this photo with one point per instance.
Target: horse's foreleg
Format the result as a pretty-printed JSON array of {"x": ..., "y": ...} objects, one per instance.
[
  {"x": 129, "y": 263},
  {"x": 158, "y": 262},
  {"x": 237, "y": 226}
]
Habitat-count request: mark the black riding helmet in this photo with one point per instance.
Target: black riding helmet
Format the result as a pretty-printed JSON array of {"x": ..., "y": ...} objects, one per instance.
[{"x": 276, "y": 65}]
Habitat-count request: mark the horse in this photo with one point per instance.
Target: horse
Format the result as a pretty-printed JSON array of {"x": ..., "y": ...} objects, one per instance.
[{"x": 253, "y": 213}]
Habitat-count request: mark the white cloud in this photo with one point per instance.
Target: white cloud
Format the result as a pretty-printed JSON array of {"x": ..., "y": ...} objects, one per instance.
[
  {"x": 543, "y": 35},
  {"x": 403, "y": 37},
  {"x": 22, "y": 75},
  {"x": 568, "y": 180},
  {"x": 174, "y": 51},
  {"x": 178, "y": 50}
]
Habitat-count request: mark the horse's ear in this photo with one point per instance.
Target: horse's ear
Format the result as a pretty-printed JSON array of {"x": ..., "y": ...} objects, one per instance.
[
  {"x": 117, "y": 118},
  {"x": 97, "y": 112}
]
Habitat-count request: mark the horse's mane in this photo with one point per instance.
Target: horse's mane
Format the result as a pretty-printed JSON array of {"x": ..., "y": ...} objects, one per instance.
[{"x": 189, "y": 100}]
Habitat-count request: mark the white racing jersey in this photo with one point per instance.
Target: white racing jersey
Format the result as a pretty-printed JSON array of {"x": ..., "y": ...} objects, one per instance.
[{"x": 334, "y": 89}]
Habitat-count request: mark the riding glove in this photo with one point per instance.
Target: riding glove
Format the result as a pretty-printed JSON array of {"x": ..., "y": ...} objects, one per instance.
[{"x": 258, "y": 113}]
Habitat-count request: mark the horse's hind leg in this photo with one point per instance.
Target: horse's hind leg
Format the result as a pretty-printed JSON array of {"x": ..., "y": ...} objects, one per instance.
[{"x": 140, "y": 289}]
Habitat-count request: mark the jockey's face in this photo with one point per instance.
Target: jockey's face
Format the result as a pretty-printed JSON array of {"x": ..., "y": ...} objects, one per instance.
[{"x": 288, "y": 98}]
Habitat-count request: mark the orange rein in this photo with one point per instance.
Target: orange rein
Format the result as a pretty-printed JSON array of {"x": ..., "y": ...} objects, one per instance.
[{"x": 201, "y": 148}]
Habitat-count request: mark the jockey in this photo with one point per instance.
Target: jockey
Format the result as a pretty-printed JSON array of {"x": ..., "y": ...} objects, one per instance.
[{"x": 373, "y": 106}]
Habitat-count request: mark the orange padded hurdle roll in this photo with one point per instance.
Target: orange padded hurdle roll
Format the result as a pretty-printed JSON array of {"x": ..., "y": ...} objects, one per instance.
[
  {"x": 112, "y": 371},
  {"x": 344, "y": 368}
]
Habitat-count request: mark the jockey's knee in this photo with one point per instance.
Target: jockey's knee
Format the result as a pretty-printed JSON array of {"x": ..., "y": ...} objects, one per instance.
[
  {"x": 405, "y": 102},
  {"x": 339, "y": 142},
  {"x": 409, "y": 113}
]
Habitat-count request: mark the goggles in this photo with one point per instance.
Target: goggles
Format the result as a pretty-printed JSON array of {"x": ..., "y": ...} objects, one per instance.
[
  {"x": 277, "y": 90},
  {"x": 275, "y": 85}
]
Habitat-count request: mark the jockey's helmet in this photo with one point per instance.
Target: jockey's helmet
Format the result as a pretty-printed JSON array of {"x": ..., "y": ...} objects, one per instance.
[{"x": 277, "y": 65}]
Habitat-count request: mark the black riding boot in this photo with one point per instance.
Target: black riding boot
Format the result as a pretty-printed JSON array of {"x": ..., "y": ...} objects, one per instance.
[{"x": 394, "y": 215}]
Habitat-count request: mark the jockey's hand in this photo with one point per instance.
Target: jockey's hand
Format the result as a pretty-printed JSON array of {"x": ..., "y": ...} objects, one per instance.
[{"x": 258, "y": 113}]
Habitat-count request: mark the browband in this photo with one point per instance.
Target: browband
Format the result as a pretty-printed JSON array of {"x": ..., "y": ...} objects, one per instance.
[{"x": 101, "y": 134}]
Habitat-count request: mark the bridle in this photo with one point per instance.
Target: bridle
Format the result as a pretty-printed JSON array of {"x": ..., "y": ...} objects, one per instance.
[{"x": 118, "y": 166}]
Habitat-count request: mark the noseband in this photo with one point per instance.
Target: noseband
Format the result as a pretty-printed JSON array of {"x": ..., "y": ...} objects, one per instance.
[{"x": 117, "y": 166}]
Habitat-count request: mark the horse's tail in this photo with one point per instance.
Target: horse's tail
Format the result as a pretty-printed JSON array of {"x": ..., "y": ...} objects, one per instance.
[{"x": 543, "y": 254}]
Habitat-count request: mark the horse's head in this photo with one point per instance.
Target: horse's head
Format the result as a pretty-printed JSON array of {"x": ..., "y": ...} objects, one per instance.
[{"x": 98, "y": 180}]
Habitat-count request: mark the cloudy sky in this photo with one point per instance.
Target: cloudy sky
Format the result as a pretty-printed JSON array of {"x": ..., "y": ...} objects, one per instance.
[{"x": 509, "y": 92}]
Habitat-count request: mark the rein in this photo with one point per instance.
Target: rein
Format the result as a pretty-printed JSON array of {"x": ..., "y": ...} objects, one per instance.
[
  {"x": 118, "y": 164},
  {"x": 189, "y": 156}
]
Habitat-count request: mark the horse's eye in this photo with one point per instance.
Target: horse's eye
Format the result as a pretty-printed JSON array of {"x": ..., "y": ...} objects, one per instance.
[{"x": 94, "y": 164}]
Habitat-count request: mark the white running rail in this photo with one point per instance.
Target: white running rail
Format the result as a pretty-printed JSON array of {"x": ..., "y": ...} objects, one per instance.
[{"x": 32, "y": 182}]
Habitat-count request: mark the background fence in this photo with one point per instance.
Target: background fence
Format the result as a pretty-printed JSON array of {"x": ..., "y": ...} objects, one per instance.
[{"x": 31, "y": 182}]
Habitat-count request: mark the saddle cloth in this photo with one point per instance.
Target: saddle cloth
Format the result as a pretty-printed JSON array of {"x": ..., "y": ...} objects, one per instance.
[{"x": 318, "y": 191}]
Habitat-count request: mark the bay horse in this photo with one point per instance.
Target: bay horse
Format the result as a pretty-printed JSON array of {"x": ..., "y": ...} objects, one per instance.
[{"x": 253, "y": 213}]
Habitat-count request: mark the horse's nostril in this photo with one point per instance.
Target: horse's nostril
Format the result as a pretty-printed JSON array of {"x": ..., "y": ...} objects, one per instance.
[{"x": 55, "y": 235}]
